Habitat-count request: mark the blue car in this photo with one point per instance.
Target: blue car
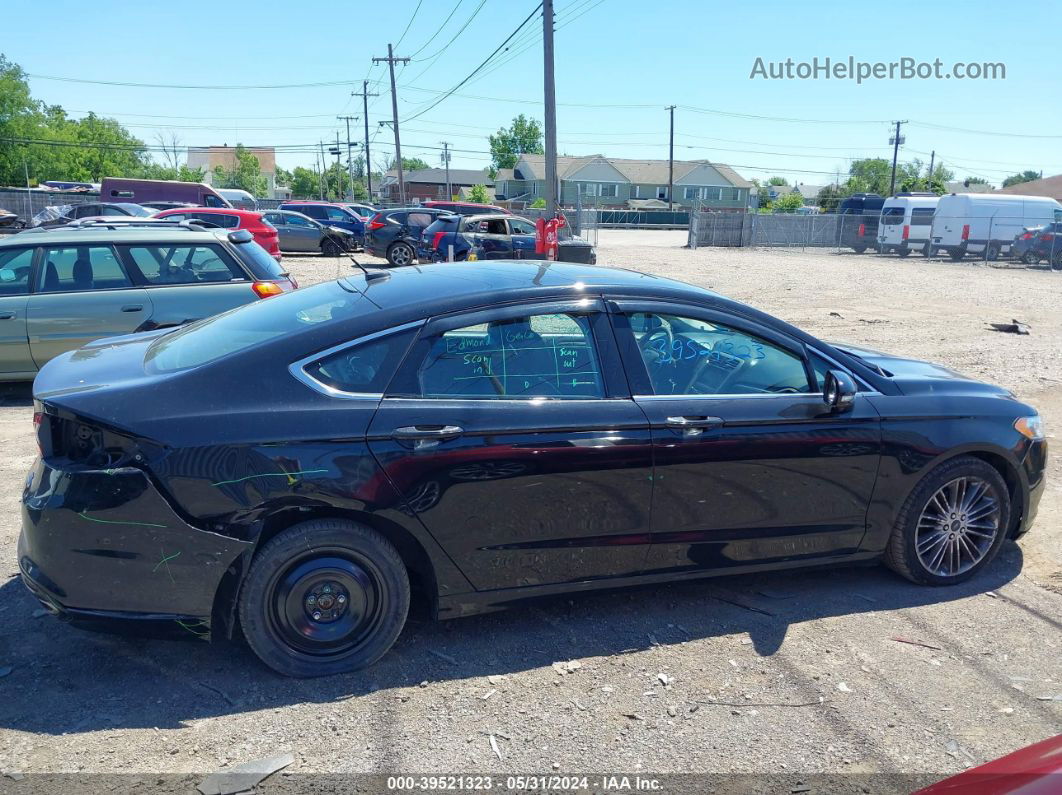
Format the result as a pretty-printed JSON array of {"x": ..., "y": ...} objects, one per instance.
[
  {"x": 331, "y": 214},
  {"x": 493, "y": 236}
]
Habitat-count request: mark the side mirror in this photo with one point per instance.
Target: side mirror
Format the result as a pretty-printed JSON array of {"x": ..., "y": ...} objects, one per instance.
[{"x": 838, "y": 390}]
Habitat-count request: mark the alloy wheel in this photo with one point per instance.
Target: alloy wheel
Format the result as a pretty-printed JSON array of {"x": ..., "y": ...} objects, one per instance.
[
  {"x": 401, "y": 254},
  {"x": 958, "y": 526}
]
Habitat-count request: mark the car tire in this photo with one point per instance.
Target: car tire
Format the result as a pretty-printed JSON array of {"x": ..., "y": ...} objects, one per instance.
[
  {"x": 324, "y": 597},
  {"x": 903, "y": 251},
  {"x": 400, "y": 254},
  {"x": 927, "y": 251},
  {"x": 330, "y": 248},
  {"x": 1056, "y": 263},
  {"x": 1028, "y": 258},
  {"x": 859, "y": 249},
  {"x": 992, "y": 253},
  {"x": 965, "y": 540},
  {"x": 956, "y": 254}
]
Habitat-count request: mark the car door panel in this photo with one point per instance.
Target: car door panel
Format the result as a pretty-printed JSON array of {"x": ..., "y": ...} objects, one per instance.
[
  {"x": 523, "y": 239},
  {"x": 523, "y": 492},
  {"x": 743, "y": 479},
  {"x": 16, "y": 268}
]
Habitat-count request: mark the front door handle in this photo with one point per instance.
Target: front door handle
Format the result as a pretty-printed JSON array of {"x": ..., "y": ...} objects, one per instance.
[
  {"x": 133, "y": 308},
  {"x": 427, "y": 432},
  {"x": 694, "y": 422},
  {"x": 7, "y": 315}
]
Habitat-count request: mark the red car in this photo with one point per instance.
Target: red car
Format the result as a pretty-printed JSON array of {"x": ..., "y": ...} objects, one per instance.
[
  {"x": 466, "y": 208},
  {"x": 265, "y": 234}
]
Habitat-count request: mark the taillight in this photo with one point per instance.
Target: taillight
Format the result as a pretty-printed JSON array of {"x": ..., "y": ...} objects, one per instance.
[
  {"x": 1027, "y": 236},
  {"x": 437, "y": 240},
  {"x": 862, "y": 229},
  {"x": 906, "y": 232},
  {"x": 1047, "y": 238},
  {"x": 38, "y": 418},
  {"x": 266, "y": 289},
  {"x": 376, "y": 223},
  {"x": 965, "y": 231}
]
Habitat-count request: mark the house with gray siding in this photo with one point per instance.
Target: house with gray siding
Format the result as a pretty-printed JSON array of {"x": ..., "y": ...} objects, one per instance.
[{"x": 596, "y": 180}]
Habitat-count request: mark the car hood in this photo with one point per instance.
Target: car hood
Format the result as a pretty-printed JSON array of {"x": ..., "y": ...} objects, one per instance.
[{"x": 916, "y": 376}]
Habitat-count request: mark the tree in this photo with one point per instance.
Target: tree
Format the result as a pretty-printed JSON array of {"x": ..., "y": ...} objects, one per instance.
[
  {"x": 788, "y": 203},
  {"x": 304, "y": 183},
  {"x": 777, "y": 181},
  {"x": 524, "y": 136},
  {"x": 830, "y": 197},
  {"x": 245, "y": 174},
  {"x": 1018, "y": 179},
  {"x": 182, "y": 173},
  {"x": 974, "y": 181},
  {"x": 478, "y": 194},
  {"x": 408, "y": 164},
  {"x": 539, "y": 203}
]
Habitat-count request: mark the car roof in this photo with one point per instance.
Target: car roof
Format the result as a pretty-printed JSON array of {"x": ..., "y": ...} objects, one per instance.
[
  {"x": 249, "y": 214},
  {"x": 102, "y": 233},
  {"x": 489, "y": 217}
]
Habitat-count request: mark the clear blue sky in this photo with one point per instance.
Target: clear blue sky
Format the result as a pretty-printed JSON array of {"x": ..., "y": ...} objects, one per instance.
[{"x": 609, "y": 53}]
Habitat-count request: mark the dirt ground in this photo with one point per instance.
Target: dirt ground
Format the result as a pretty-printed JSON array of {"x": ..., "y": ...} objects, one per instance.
[{"x": 792, "y": 673}]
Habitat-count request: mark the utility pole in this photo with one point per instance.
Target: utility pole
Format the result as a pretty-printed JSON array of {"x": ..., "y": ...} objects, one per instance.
[
  {"x": 929, "y": 176},
  {"x": 350, "y": 164},
  {"x": 446, "y": 160},
  {"x": 364, "y": 94},
  {"x": 550, "y": 97},
  {"x": 339, "y": 169},
  {"x": 897, "y": 139},
  {"x": 671, "y": 161},
  {"x": 322, "y": 172},
  {"x": 391, "y": 60}
]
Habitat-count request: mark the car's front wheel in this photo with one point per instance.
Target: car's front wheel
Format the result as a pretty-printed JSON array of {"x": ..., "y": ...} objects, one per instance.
[
  {"x": 400, "y": 254},
  {"x": 951, "y": 525},
  {"x": 331, "y": 248},
  {"x": 324, "y": 597}
]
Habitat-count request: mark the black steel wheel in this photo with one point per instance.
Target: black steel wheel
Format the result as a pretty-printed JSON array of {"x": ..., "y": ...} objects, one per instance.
[
  {"x": 330, "y": 248},
  {"x": 324, "y": 597},
  {"x": 952, "y": 524}
]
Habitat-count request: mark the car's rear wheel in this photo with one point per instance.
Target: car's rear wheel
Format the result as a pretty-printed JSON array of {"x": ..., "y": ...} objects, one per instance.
[
  {"x": 400, "y": 254},
  {"x": 992, "y": 253},
  {"x": 330, "y": 248},
  {"x": 324, "y": 597},
  {"x": 903, "y": 251},
  {"x": 1028, "y": 258},
  {"x": 956, "y": 254},
  {"x": 952, "y": 525},
  {"x": 927, "y": 251},
  {"x": 859, "y": 249}
]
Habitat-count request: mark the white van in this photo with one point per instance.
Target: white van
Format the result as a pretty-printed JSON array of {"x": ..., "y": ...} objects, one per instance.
[
  {"x": 240, "y": 199},
  {"x": 976, "y": 223},
  {"x": 905, "y": 223}
]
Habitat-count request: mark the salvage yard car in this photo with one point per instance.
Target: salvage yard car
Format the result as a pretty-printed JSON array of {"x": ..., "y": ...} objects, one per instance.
[
  {"x": 300, "y": 233},
  {"x": 494, "y": 236},
  {"x": 64, "y": 287},
  {"x": 492, "y": 432}
]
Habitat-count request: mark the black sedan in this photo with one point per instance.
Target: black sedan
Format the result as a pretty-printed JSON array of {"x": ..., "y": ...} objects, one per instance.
[{"x": 490, "y": 432}]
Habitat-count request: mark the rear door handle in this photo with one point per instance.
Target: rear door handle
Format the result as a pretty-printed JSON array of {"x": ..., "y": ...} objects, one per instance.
[
  {"x": 7, "y": 315},
  {"x": 427, "y": 432},
  {"x": 694, "y": 422},
  {"x": 133, "y": 308}
]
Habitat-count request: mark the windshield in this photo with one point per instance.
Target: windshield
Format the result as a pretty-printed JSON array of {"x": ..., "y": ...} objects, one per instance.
[{"x": 248, "y": 326}]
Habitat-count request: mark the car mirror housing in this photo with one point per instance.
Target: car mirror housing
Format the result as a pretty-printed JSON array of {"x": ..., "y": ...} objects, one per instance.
[{"x": 838, "y": 390}]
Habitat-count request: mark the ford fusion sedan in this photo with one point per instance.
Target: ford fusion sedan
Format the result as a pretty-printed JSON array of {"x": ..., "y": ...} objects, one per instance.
[{"x": 492, "y": 432}]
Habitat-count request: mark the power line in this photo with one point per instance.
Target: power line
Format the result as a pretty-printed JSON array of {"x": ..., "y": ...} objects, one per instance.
[
  {"x": 126, "y": 84},
  {"x": 404, "y": 32},
  {"x": 478, "y": 68},
  {"x": 438, "y": 30},
  {"x": 980, "y": 132},
  {"x": 432, "y": 58}
]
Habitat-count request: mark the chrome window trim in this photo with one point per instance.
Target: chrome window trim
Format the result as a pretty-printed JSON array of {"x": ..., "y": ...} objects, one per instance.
[
  {"x": 742, "y": 396},
  {"x": 298, "y": 368}
]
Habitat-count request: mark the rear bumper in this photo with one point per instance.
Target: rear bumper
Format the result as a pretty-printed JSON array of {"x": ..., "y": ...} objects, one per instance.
[{"x": 101, "y": 545}]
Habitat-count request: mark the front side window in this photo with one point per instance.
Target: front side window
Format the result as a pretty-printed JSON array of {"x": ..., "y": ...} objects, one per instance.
[
  {"x": 337, "y": 214},
  {"x": 276, "y": 219},
  {"x": 546, "y": 356},
  {"x": 183, "y": 264},
  {"x": 81, "y": 268},
  {"x": 294, "y": 220},
  {"x": 522, "y": 227},
  {"x": 214, "y": 201},
  {"x": 15, "y": 267},
  {"x": 688, "y": 356}
]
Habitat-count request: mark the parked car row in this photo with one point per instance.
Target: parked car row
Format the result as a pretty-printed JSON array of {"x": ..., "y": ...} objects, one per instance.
[{"x": 991, "y": 225}]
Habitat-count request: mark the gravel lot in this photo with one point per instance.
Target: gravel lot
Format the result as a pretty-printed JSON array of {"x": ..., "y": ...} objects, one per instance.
[{"x": 792, "y": 673}]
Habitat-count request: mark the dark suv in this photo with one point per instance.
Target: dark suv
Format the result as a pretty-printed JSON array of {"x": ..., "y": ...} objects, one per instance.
[
  {"x": 1037, "y": 243},
  {"x": 860, "y": 214},
  {"x": 331, "y": 215},
  {"x": 396, "y": 235},
  {"x": 494, "y": 236}
]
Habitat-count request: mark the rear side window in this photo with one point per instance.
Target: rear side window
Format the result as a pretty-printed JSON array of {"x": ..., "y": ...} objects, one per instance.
[
  {"x": 922, "y": 216},
  {"x": 364, "y": 368},
  {"x": 15, "y": 267},
  {"x": 81, "y": 268},
  {"x": 252, "y": 324},
  {"x": 184, "y": 264},
  {"x": 259, "y": 261},
  {"x": 223, "y": 220},
  {"x": 533, "y": 356},
  {"x": 337, "y": 214},
  {"x": 313, "y": 211},
  {"x": 398, "y": 218},
  {"x": 422, "y": 220}
]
